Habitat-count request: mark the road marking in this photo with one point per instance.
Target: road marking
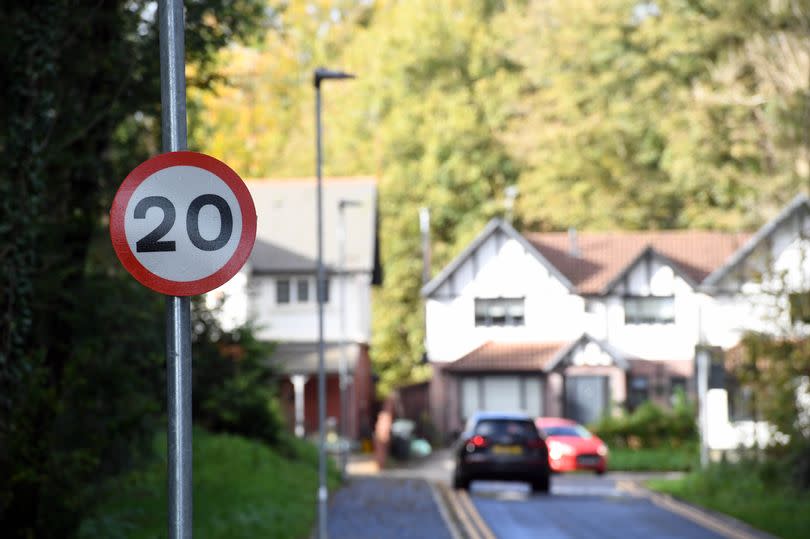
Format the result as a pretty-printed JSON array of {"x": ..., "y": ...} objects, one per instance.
[
  {"x": 486, "y": 533},
  {"x": 443, "y": 511},
  {"x": 468, "y": 530},
  {"x": 690, "y": 513}
]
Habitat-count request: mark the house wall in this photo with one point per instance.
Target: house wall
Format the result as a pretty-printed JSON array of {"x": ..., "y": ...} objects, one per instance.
[
  {"x": 444, "y": 402},
  {"x": 253, "y": 297},
  {"x": 296, "y": 321},
  {"x": 501, "y": 267},
  {"x": 650, "y": 340},
  {"x": 232, "y": 300},
  {"x": 754, "y": 297}
]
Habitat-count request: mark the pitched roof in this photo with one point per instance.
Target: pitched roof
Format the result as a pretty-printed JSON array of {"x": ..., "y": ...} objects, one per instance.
[
  {"x": 507, "y": 356},
  {"x": 799, "y": 202},
  {"x": 495, "y": 226},
  {"x": 286, "y": 235},
  {"x": 565, "y": 354},
  {"x": 603, "y": 256}
]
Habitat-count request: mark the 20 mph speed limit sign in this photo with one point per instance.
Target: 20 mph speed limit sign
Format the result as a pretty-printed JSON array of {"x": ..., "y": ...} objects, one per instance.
[{"x": 183, "y": 223}]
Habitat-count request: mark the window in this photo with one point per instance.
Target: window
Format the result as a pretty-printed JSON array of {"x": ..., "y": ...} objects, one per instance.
[
  {"x": 510, "y": 427},
  {"x": 574, "y": 431},
  {"x": 649, "y": 310},
  {"x": 303, "y": 290},
  {"x": 740, "y": 401},
  {"x": 800, "y": 307},
  {"x": 325, "y": 292},
  {"x": 639, "y": 391},
  {"x": 282, "y": 291},
  {"x": 499, "y": 312}
]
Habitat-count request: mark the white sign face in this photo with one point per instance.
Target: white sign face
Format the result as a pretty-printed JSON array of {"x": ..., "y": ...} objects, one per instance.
[{"x": 183, "y": 223}]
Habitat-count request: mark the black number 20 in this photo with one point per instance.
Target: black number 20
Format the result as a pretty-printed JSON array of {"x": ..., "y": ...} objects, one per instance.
[{"x": 151, "y": 243}]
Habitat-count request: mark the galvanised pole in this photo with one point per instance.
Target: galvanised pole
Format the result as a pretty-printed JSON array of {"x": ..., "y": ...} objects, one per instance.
[{"x": 178, "y": 309}]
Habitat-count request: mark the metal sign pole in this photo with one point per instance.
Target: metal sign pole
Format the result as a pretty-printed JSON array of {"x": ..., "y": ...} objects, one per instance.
[{"x": 178, "y": 309}]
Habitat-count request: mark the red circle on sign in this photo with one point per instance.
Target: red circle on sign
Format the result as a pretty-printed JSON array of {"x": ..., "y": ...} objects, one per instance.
[{"x": 147, "y": 277}]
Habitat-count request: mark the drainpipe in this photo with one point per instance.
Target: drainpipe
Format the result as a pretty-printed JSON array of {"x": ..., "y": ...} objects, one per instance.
[{"x": 573, "y": 244}]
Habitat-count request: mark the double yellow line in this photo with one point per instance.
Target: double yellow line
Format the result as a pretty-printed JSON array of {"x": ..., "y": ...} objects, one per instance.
[
  {"x": 465, "y": 519},
  {"x": 703, "y": 518}
]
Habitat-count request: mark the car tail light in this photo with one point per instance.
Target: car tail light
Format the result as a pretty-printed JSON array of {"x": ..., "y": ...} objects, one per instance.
[
  {"x": 476, "y": 442},
  {"x": 537, "y": 443}
]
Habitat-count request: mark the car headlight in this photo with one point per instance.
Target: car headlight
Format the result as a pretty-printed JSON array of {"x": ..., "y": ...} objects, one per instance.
[
  {"x": 556, "y": 449},
  {"x": 602, "y": 450}
]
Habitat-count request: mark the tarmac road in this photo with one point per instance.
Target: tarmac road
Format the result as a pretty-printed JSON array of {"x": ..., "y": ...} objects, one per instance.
[{"x": 579, "y": 507}]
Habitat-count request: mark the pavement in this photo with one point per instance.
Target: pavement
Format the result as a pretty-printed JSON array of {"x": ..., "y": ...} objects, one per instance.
[
  {"x": 380, "y": 507},
  {"x": 414, "y": 499}
]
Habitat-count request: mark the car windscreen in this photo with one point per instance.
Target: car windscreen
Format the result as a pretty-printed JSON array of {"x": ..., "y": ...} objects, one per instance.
[
  {"x": 500, "y": 427},
  {"x": 576, "y": 431}
]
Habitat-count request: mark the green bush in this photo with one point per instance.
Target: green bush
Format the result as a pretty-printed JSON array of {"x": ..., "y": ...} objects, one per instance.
[
  {"x": 233, "y": 387},
  {"x": 651, "y": 426}
]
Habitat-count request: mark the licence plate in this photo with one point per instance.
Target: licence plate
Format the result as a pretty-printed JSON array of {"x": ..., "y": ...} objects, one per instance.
[
  {"x": 587, "y": 460},
  {"x": 507, "y": 450}
]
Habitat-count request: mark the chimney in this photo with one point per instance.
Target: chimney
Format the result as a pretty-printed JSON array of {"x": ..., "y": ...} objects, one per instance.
[
  {"x": 424, "y": 227},
  {"x": 510, "y": 193},
  {"x": 573, "y": 245}
]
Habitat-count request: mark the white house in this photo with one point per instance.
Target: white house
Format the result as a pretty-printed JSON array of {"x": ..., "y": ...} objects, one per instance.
[
  {"x": 574, "y": 323},
  {"x": 276, "y": 290}
]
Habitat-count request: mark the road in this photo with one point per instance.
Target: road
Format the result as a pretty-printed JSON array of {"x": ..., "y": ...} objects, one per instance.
[{"x": 578, "y": 507}]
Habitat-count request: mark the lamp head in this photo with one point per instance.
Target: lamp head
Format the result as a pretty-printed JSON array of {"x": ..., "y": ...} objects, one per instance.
[
  {"x": 321, "y": 74},
  {"x": 348, "y": 203}
]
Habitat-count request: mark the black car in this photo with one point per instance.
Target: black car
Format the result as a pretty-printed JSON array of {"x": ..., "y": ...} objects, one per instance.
[{"x": 501, "y": 446}]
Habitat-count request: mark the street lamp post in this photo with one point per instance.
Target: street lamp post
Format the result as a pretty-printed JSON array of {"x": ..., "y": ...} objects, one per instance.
[
  {"x": 319, "y": 76},
  {"x": 344, "y": 374}
]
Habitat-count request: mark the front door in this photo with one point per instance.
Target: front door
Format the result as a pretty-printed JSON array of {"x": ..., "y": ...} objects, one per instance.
[{"x": 586, "y": 398}]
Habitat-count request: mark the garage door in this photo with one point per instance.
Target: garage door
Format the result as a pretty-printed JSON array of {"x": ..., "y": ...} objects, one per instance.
[{"x": 501, "y": 394}]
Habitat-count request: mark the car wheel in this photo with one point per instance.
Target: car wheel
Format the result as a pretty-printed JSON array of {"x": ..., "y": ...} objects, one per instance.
[
  {"x": 461, "y": 483},
  {"x": 541, "y": 486}
]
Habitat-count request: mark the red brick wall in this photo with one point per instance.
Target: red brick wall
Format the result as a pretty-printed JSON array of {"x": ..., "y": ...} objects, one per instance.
[{"x": 363, "y": 397}]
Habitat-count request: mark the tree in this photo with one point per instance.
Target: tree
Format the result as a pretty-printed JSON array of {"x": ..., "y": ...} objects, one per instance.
[
  {"x": 608, "y": 85},
  {"x": 78, "y": 339},
  {"x": 661, "y": 114},
  {"x": 259, "y": 116},
  {"x": 432, "y": 102}
]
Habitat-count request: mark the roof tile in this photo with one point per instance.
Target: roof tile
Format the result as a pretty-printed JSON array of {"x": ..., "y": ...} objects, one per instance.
[
  {"x": 500, "y": 356},
  {"x": 604, "y": 255}
]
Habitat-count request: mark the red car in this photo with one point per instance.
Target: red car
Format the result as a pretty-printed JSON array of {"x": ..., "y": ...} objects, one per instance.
[{"x": 571, "y": 446}]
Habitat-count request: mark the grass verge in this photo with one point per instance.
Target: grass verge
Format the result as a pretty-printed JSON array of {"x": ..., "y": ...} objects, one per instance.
[
  {"x": 659, "y": 459},
  {"x": 740, "y": 492},
  {"x": 242, "y": 489}
]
